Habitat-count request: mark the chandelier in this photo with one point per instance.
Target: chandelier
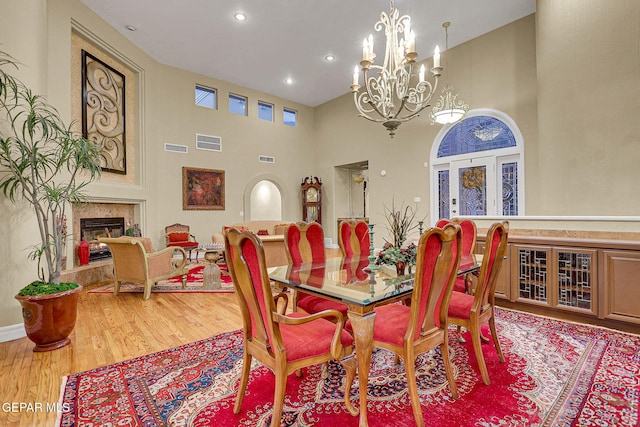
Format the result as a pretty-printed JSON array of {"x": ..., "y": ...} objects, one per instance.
[
  {"x": 389, "y": 96},
  {"x": 448, "y": 109}
]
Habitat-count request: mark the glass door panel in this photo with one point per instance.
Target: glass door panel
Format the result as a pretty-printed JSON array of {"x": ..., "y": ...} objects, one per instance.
[{"x": 472, "y": 187}]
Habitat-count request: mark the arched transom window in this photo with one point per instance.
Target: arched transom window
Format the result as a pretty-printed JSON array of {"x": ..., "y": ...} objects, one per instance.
[{"x": 477, "y": 167}]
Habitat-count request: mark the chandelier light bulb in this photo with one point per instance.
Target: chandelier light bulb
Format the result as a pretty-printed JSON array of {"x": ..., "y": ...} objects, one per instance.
[{"x": 448, "y": 109}]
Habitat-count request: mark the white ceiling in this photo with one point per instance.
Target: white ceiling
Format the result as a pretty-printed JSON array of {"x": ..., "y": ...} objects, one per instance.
[{"x": 290, "y": 38}]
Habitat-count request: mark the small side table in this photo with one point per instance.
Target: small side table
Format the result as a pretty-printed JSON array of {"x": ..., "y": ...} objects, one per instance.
[{"x": 211, "y": 272}]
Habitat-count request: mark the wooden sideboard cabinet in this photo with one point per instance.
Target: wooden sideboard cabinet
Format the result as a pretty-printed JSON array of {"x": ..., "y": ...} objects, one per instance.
[
  {"x": 620, "y": 285},
  {"x": 555, "y": 276},
  {"x": 591, "y": 277}
]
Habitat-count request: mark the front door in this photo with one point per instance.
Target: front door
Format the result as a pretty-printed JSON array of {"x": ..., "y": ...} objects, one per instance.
[{"x": 472, "y": 189}]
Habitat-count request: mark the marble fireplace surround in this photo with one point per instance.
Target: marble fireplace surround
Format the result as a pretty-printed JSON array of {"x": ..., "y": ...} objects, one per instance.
[
  {"x": 100, "y": 210},
  {"x": 102, "y": 270}
]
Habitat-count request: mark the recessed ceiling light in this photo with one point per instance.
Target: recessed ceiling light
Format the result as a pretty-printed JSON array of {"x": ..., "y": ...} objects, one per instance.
[
  {"x": 240, "y": 16},
  {"x": 288, "y": 81},
  {"x": 130, "y": 27},
  {"x": 330, "y": 58}
]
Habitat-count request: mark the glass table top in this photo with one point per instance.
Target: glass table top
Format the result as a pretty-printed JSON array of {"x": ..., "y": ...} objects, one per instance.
[{"x": 348, "y": 279}]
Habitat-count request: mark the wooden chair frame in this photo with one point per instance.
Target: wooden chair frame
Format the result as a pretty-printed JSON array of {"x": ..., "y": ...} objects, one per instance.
[
  {"x": 178, "y": 228},
  {"x": 262, "y": 335},
  {"x": 132, "y": 263},
  {"x": 423, "y": 333},
  {"x": 482, "y": 309},
  {"x": 354, "y": 245}
]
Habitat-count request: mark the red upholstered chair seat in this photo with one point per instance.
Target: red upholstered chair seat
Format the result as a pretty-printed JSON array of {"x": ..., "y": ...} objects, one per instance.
[
  {"x": 391, "y": 323},
  {"x": 184, "y": 244},
  {"x": 459, "y": 285},
  {"x": 310, "y": 339},
  {"x": 460, "y": 305},
  {"x": 313, "y": 304}
]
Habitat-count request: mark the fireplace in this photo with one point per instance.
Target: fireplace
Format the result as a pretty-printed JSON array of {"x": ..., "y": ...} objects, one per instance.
[{"x": 93, "y": 228}]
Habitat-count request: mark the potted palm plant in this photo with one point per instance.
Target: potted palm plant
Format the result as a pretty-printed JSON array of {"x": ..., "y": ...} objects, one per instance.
[{"x": 46, "y": 164}]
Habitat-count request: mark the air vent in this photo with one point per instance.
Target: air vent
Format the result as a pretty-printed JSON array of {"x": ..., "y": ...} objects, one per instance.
[
  {"x": 266, "y": 159},
  {"x": 208, "y": 142},
  {"x": 176, "y": 148}
]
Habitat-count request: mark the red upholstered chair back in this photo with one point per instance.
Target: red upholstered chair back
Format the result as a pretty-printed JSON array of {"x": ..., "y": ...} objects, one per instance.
[
  {"x": 496, "y": 246},
  {"x": 246, "y": 262},
  {"x": 469, "y": 234},
  {"x": 354, "y": 268},
  {"x": 304, "y": 242},
  {"x": 436, "y": 269},
  {"x": 442, "y": 222},
  {"x": 353, "y": 238},
  {"x": 179, "y": 235}
]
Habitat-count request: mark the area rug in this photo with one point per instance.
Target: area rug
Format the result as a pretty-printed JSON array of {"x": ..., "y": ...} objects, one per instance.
[
  {"x": 174, "y": 284},
  {"x": 556, "y": 374}
]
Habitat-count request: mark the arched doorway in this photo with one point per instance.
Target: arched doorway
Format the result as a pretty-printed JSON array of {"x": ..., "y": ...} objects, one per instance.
[
  {"x": 265, "y": 198},
  {"x": 477, "y": 167},
  {"x": 266, "y": 201}
]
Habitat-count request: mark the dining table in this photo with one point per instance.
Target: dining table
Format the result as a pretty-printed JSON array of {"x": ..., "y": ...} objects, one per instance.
[{"x": 361, "y": 285}]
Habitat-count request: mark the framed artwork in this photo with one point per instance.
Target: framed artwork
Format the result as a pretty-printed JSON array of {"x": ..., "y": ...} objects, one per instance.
[
  {"x": 202, "y": 189},
  {"x": 103, "y": 112}
]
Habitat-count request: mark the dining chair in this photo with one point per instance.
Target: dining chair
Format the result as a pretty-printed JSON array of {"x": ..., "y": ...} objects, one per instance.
[
  {"x": 472, "y": 311},
  {"x": 282, "y": 342},
  {"x": 469, "y": 236},
  {"x": 353, "y": 238},
  {"x": 304, "y": 242},
  {"x": 442, "y": 222},
  {"x": 409, "y": 331}
]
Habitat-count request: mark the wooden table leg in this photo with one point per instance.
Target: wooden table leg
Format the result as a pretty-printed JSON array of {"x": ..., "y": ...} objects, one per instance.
[{"x": 363, "y": 335}]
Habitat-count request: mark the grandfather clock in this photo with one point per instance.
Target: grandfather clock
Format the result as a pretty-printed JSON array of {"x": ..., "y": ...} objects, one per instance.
[{"x": 311, "y": 199}]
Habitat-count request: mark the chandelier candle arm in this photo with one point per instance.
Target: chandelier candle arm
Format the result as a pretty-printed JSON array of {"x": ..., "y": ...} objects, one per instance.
[{"x": 389, "y": 97}]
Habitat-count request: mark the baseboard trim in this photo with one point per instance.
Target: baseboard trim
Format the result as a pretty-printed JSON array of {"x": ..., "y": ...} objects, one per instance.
[{"x": 12, "y": 332}]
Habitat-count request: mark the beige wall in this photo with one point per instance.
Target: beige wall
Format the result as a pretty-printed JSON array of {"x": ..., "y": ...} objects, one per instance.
[
  {"x": 495, "y": 71},
  {"x": 166, "y": 114},
  {"x": 589, "y": 107},
  {"x": 568, "y": 77}
]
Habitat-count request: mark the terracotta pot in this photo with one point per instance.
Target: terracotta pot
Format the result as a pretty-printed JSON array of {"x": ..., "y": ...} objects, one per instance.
[{"x": 49, "y": 319}]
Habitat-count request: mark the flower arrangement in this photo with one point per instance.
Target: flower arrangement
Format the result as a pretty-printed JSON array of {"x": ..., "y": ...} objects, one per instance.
[
  {"x": 400, "y": 222},
  {"x": 391, "y": 255}
]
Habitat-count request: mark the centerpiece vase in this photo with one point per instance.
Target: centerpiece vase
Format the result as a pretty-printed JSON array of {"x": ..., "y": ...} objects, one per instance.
[{"x": 400, "y": 267}]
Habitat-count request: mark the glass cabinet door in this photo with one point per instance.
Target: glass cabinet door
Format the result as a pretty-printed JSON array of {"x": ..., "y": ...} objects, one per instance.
[
  {"x": 531, "y": 274},
  {"x": 575, "y": 272}
]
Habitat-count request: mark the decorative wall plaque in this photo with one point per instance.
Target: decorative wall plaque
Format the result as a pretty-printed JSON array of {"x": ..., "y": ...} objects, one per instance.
[{"x": 103, "y": 111}]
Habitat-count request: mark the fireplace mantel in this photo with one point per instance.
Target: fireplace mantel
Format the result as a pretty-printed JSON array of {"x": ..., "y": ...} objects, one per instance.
[{"x": 100, "y": 210}]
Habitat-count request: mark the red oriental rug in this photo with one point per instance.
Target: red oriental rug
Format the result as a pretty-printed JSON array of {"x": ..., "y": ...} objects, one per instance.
[
  {"x": 556, "y": 374},
  {"x": 174, "y": 284}
]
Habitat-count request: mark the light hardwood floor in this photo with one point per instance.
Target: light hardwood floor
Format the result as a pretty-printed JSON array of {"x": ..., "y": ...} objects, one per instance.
[{"x": 108, "y": 329}]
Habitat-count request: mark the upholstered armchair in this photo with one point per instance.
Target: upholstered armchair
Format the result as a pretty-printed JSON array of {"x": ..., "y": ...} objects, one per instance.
[
  {"x": 180, "y": 236},
  {"x": 133, "y": 263}
]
